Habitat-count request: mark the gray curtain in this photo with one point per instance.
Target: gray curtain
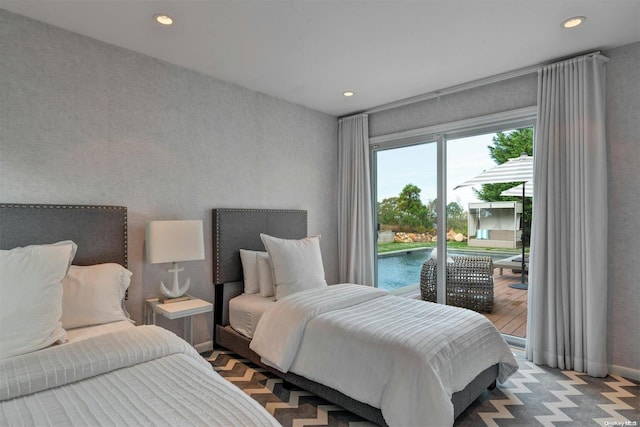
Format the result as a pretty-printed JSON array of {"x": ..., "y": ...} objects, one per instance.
[
  {"x": 355, "y": 218},
  {"x": 568, "y": 270}
]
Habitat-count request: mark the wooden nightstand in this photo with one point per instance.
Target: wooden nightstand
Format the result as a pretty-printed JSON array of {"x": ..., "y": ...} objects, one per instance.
[{"x": 177, "y": 310}]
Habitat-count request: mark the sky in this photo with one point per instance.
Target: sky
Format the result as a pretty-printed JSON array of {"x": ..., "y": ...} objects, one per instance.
[{"x": 466, "y": 158}]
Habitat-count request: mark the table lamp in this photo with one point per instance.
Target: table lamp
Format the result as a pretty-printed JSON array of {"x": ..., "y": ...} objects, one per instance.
[{"x": 174, "y": 241}]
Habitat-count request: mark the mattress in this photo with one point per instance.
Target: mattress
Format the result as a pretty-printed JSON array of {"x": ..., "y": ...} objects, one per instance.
[{"x": 245, "y": 311}]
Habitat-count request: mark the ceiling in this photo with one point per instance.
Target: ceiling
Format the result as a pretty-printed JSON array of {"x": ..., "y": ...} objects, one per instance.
[{"x": 310, "y": 52}]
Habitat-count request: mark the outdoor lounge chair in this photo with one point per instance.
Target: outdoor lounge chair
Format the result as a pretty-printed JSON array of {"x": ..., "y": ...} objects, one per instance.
[{"x": 469, "y": 282}]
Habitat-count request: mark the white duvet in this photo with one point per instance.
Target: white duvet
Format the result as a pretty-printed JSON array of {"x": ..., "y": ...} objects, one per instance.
[
  {"x": 406, "y": 357},
  {"x": 139, "y": 376}
]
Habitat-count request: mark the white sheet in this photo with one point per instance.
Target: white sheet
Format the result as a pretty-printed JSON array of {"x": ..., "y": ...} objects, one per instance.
[
  {"x": 78, "y": 334},
  {"x": 137, "y": 376},
  {"x": 404, "y": 356},
  {"x": 245, "y": 311}
]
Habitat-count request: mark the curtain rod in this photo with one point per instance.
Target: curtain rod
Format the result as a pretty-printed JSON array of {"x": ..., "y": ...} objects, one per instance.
[{"x": 466, "y": 86}]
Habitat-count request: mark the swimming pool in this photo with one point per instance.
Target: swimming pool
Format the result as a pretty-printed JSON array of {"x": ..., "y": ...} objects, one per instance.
[{"x": 402, "y": 269}]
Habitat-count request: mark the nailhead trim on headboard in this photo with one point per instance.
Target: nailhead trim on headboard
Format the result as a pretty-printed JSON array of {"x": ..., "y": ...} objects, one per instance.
[
  {"x": 217, "y": 230},
  {"x": 97, "y": 207}
]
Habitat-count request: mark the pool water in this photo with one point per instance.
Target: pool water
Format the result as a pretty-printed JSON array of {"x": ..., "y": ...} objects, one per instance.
[{"x": 403, "y": 269}]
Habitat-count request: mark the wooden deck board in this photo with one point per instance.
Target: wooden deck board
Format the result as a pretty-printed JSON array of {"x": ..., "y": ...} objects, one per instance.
[
  {"x": 509, "y": 305},
  {"x": 509, "y": 313}
]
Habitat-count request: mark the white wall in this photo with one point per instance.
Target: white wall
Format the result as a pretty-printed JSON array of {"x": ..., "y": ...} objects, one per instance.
[
  {"x": 84, "y": 122},
  {"x": 623, "y": 134}
]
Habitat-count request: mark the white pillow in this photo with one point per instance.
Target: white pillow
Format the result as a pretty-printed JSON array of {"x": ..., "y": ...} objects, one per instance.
[
  {"x": 434, "y": 256},
  {"x": 297, "y": 264},
  {"x": 31, "y": 296},
  {"x": 250, "y": 271},
  {"x": 93, "y": 295},
  {"x": 265, "y": 275}
]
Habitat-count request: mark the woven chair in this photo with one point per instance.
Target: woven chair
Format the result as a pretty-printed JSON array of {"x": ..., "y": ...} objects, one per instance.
[{"x": 469, "y": 282}]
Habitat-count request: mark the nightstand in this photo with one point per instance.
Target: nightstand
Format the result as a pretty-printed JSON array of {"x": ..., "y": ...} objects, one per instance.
[{"x": 177, "y": 310}]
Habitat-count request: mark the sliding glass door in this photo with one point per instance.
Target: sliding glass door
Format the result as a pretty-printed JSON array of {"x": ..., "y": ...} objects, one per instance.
[
  {"x": 406, "y": 192},
  {"x": 480, "y": 227}
]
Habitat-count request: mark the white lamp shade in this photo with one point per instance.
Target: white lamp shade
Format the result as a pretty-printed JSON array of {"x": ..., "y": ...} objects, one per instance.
[{"x": 173, "y": 241}]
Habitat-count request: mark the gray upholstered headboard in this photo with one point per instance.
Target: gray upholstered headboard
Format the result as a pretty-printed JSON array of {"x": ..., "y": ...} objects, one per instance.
[
  {"x": 235, "y": 229},
  {"x": 99, "y": 231}
]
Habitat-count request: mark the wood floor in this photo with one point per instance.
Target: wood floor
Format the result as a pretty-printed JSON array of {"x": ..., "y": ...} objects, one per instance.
[
  {"x": 509, "y": 305},
  {"x": 509, "y": 313}
]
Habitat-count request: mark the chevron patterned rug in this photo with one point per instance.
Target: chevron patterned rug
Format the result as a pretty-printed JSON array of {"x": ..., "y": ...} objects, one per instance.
[{"x": 534, "y": 396}]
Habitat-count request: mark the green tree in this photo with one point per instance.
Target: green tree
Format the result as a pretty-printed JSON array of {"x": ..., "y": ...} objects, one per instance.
[
  {"x": 512, "y": 144},
  {"x": 409, "y": 199},
  {"x": 456, "y": 217},
  {"x": 414, "y": 213},
  {"x": 406, "y": 210},
  {"x": 507, "y": 146},
  {"x": 388, "y": 212},
  {"x": 432, "y": 207}
]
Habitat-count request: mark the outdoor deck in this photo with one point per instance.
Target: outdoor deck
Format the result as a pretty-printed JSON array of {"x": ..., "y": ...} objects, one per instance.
[{"x": 509, "y": 305}]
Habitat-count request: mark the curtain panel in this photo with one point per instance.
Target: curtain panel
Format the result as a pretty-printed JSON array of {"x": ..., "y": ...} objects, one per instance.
[
  {"x": 568, "y": 269},
  {"x": 355, "y": 210}
]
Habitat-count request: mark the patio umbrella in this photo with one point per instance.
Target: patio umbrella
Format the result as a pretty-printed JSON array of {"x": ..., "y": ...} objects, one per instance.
[
  {"x": 517, "y": 190},
  {"x": 518, "y": 169}
]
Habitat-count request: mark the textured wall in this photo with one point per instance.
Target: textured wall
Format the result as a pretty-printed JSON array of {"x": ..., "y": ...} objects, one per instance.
[
  {"x": 623, "y": 132},
  {"x": 89, "y": 123},
  {"x": 623, "y": 128},
  {"x": 85, "y": 122}
]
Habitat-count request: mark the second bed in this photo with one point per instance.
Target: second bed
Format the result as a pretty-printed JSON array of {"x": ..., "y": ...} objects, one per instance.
[{"x": 392, "y": 360}]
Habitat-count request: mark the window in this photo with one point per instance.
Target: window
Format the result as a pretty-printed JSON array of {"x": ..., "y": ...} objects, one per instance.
[{"x": 412, "y": 173}]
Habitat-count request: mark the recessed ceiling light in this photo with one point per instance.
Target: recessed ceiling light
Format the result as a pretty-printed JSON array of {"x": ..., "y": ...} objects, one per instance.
[
  {"x": 573, "y": 22},
  {"x": 163, "y": 19},
  {"x": 348, "y": 93}
]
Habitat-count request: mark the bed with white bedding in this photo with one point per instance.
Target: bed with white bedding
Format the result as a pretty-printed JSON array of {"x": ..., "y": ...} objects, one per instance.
[
  {"x": 138, "y": 376},
  {"x": 404, "y": 356},
  {"x": 70, "y": 355},
  {"x": 392, "y": 360}
]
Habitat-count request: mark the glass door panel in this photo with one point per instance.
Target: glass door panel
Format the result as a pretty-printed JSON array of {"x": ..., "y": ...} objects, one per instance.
[
  {"x": 470, "y": 278},
  {"x": 473, "y": 222},
  {"x": 406, "y": 181},
  {"x": 483, "y": 224}
]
